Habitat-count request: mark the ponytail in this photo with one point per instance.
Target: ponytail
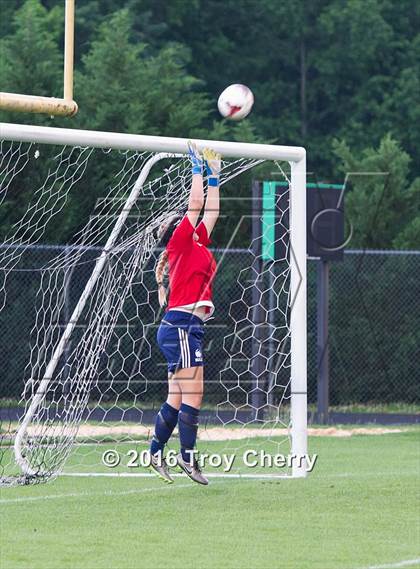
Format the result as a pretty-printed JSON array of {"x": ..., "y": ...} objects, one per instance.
[{"x": 160, "y": 271}]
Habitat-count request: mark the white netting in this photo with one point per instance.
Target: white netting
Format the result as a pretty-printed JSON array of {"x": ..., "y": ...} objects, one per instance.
[
  {"x": 109, "y": 376},
  {"x": 13, "y": 159}
]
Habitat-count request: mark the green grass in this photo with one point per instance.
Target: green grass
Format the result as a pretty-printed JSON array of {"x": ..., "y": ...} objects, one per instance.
[
  {"x": 393, "y": 407},
  {"x": 359, "y": 508}
]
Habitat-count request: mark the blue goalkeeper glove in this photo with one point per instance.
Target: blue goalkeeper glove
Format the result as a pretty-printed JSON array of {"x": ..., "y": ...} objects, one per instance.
[{"x": 195, "y": 158}]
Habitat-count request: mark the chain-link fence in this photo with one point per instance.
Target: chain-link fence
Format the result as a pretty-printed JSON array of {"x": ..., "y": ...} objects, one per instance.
[{"x": 374, "y": 326}]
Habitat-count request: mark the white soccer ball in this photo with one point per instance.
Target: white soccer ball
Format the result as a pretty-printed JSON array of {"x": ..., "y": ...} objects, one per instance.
[{"x": 236, "y": 101}]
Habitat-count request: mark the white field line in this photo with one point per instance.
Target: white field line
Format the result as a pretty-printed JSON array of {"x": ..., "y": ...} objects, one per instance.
[
  {"x": 396, "y": 565},
  {"x": 90, "y": 494},
  {"x": 227, "y": 475},
  {"x": 150, "y": 475}
]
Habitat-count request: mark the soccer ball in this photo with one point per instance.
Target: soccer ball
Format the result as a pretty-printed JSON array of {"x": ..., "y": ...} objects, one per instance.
[{"x": 236, "y": 101}]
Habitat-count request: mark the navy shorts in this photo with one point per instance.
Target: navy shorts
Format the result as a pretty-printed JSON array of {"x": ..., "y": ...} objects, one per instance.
[{"x": 180, "y": 339}]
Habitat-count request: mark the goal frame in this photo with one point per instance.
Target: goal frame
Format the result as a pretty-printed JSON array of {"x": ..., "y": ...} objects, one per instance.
[
  {"x": 52, "y": 106},
  {"x": 296, "y": 156}
]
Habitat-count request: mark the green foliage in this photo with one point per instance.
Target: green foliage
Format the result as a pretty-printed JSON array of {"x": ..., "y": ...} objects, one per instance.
[
  {"x": 107, "y": 84},
  {"x": 409, "y": 237},
  {"x": 381, "y": 201},
  {"x": 8, "y": 9},
  {"x": 122, "y": 87},
  {"x": 369, "y": 68},
  {"x": 31, "y": 58},
  {"x": 320, "y": 71}
]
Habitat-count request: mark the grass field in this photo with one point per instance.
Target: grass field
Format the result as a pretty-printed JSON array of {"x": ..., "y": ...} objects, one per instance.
[{"x": 359, "y": 508}]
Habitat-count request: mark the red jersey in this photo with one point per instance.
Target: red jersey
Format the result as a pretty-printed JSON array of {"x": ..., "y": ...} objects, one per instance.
[{"x": 192, "y": 267}]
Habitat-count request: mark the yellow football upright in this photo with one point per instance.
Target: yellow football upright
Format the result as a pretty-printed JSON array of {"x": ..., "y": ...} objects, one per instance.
[{"x": 50, "y": 105}]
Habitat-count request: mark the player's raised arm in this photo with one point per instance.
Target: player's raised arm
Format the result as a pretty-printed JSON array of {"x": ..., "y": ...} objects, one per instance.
[
  {"x": 196, "y": 199},
  {"x": 212, "y": 163}
]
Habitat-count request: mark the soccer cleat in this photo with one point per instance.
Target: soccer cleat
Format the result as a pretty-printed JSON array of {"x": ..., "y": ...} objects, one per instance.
[
  {"x": 192, "y": 470},
  {"x": 159, "y": 467}
]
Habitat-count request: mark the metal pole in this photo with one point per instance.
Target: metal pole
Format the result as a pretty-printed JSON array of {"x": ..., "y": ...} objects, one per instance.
[
  {"x": 69, "y": 51},
  {"x": 323, "y": 352},
  {"x": 298, "y": 379},
  {"x": 271, "y": 378},
  {"x": 117, "y": 140},
  {"x": 257, "y": 365},
  {"x": 34, "y": 104}
]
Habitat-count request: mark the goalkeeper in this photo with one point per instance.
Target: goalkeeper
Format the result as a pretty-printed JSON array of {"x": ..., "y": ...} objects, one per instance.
[{"x": 191, "y": 268}]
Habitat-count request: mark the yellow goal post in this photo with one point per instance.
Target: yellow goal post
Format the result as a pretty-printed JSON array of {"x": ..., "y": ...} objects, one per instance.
[{"x": 50, "y": 105}]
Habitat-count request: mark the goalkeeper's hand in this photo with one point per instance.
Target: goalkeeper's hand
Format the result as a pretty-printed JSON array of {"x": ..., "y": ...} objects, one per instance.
[
  {"x": 213, "y": 165},
  {"x": 195, "y": 158}
]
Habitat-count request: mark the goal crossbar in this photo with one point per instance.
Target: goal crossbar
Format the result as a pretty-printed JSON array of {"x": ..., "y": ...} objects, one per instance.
[
  {"x": 296, "y": 156},
  {"x": 119, "y": 141}
]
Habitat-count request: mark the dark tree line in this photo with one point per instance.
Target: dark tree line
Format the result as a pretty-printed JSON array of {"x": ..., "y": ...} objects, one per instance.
[{"x": 340, "y": 78}]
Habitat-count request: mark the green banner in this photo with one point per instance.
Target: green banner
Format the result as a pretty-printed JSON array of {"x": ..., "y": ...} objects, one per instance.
[{"x": 268, "y": 220}]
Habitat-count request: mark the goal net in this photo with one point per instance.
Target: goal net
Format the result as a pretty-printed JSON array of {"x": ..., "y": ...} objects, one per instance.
[{"x": 82, "y": 374}]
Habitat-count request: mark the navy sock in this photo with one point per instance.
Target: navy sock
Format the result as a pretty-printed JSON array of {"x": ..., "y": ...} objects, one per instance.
[
  {"x": 166, "y": 421},
  {"x": 188, "y": 427}
]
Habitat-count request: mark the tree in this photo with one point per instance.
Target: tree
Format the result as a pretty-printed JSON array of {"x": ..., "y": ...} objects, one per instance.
[
  {"x": 122, "y": 88},
  {"x": 319, "y": 70},
  {"x": 368, "y": 64},
  {"x": 31, "y": 61},
  {"x": 381, "y": 204},
  {"x": 409, "y": 236},
  {"x": 8, "y": 10}
]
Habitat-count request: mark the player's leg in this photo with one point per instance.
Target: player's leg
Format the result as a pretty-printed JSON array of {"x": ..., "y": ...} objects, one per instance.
[
  {"x": 167, "y": 417},
  {"x": 191, "y": 383},
  {"x": 180, "y": 337},
  {"x": 165, "y": 423},
  {"x": 174, "y": 392}
]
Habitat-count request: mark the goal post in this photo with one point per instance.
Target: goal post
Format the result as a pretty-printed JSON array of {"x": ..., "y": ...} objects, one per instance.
[
  {"x": 52, "y": 106},
  {"x": 298, "y": 332},
  {"x": 34, "y": 104},
  {"x": 118, "y": 141},
  {"x": 96, "y": 340}
]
